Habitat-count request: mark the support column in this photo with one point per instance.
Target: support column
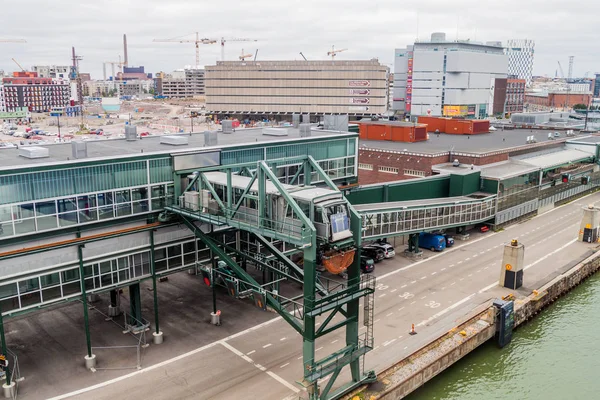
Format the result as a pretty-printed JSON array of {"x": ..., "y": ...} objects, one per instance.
[
  {"x": 308, "y": 344},
  {"x": 215, "y": 315},
  {"x": 157, "y": 334},
  {"x": 9, "y": 386},
  {"x": 135, "y": 301},
  {"x": 114, "y": 308},
  {"x": 90, "y": 359},
  {"x": 353, "y": 307}
]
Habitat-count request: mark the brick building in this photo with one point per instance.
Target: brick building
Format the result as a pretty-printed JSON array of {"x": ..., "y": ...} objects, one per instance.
[
  {"x": 556, "y": 100},
  {"x": 509, "y": 95}
]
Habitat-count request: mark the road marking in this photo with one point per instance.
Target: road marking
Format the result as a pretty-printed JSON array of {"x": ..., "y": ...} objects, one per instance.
[
  {"x": 462, "y": 279},
  {"x": 381, "y": 295},
  {"x": 250, "y": 352},
  {"x": 299, "y": 358},
  {"x": 283, "y": 381},
  {"x": 460, "y": 262},
  {"x": 284, "y": 365},
  {"x": 403, "y": 286},
  {"x": 486, "y": 267},
  {"x": 423, "y": 297},
  {"x": 267, "y": 345},
  {"x": 475, "y": 255},
  {"x": 481, "y": 252},
  {"x": 376, "y": 347},
  {"x": 320, "y": 348},
  {"x": 377, "y": 320},
  {"x": 393, "y": 290},
  {"x": 443, "y": 269},
  {"x": 401, "y": 308},
  {"x": 443, "y": 288},
  {"x": 263, "y": 369},
  {"x": 433, "y": 273},
  {"x": 413, "y": 282},
  {"x": 406, "y": 347},
  {"x": 389, "y": 314},
  {"x": 389, "y": 342},
  {"x": 452, "y": 283},
  {"x": 478, "y": 270},
  {"x": 413, "y": 302},
  {"x": 467, "y": 259},
  {"x": 423, "y": 277},
  {"x": 400, "y": 337},
  {"x": 282, "y": 339},
  {"x": 451, "y": 265},
  {"x": 432, "y": 292},
  {"x": 458, "y": 303},
  {"x": 336, "y": 340},
  {"x": 470, "y": 275}
]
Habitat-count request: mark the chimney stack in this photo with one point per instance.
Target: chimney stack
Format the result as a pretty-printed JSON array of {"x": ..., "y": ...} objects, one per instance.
[{"x": 125, "y": 50}]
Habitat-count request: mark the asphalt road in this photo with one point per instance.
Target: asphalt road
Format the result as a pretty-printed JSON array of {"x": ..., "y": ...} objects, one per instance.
[{"x": 435, "y": 293}]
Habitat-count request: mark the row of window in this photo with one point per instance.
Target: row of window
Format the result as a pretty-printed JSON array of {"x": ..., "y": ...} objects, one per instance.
[
  {"x": 414, "y": 172},
  {"x": 366, "y": 167},
  {"x": 388, "y": 170}
]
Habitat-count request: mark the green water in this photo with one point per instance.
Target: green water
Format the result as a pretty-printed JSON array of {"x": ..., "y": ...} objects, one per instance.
[{"x": 555, "y": 356}]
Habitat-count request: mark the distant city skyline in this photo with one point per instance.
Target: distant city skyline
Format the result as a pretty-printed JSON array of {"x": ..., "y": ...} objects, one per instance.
[{"x": 286, "y": 29}]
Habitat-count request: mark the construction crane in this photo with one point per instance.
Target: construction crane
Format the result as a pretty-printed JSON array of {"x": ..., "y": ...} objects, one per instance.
[
  {"x": 112, "y": 63},
  {"x": 303, "y": 56},
  {"x": 570, "y": 76},
  {"x": 334, "y": 52},
  {"x": 560, "y": 68},
  {"x": 244, "y": 56},
  {"x": 13, "y": 41},
  {"x": 197, "y": 42},
  {"x": 223, "y": 40},
  {"x": 16, "y": 62}
]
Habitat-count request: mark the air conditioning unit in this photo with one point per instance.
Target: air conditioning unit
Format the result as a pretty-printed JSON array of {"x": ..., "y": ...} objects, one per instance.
[{"x": 192, "y": 200}]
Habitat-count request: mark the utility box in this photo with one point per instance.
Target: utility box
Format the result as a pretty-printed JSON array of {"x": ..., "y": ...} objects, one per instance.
[
  {"x": 590, "y": 224},
  {"x": 130, "y": 133},
  {"x": 211, "y": 138},
  {"x": 192, "y": 200},
  {"x": 305, "y": 130},
  {"x": 511, "y": 272},
  {"x": 79, "y": 149},
  {"x": 227, "y": 126}
]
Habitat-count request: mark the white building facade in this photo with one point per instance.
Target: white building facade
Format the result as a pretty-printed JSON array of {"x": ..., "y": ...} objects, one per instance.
[
  {"x": 441, "y": 78},
  {"x": 520, "y": 54},
  {"x": 52, "y": 71}
]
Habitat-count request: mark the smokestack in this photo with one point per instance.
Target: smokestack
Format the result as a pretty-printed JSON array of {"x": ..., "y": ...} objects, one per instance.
[
  {"x": 74, "y": 59},
  {"x": 125, "y": 49}
]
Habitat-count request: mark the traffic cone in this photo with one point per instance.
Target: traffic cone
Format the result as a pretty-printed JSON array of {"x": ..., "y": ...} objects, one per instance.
[{"x": 412, "y": 330}]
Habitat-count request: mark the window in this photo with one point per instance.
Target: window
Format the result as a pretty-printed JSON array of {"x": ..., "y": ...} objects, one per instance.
[
  {"x": 366, "y": 167},
  {"x": 388, "y": 170},
  {"x": 414, "y": 172}
]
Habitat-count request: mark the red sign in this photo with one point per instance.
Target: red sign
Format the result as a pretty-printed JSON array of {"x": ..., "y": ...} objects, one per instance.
[
  {"x": 359, "y": 83},
  {"x": 362, "y": 92},
  {"x": 360, "y": 101}
]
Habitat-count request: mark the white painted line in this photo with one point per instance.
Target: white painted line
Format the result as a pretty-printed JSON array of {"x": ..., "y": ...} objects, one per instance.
[
  {"x": 443, "y": 269},
  {"x": 375, "y": 348},
  {"x": 401, "y": 308},
  {"x": 318, "y": 323},
  {"x": 452, "y": 283},
  {"x": 413, "y": 282},
  {"x": 460, "y": 262},
  {"x": 282, "y": 339},
  {"x": 470, "y": 275},
  {"x": 389, "y": 314},
  {"x": 284, "y": 365},
  {"x": 481, "y": 252},
  {"x": 389, "y": 342},
  {"x": 462, "y": 279},
  {"x": 467, "y": 259},
  {"x": 283, "y": 381},
  {"x": 377, "y": 320},
  {"x": 236, "y": 352},
  {"x": 423, "y": 277},
  {"x": 320, "y": 348},
  {"x": 458, "y": 303},
  {"x": 413, "y": 303},
  {"x": 432, "y": 292},
  {"x": 400, "y": 337},
  {"x": 336, "y": 340},
  {"x": 475, "y": 255},
  {"x": 433, "y": 273},
  {"x": 381, "y": 295},
  {"x": 299, "y": 358},
  {"x": 267, "y": 345},
  {"x": 478, "y": 270},
  {"x": 250, "y": 352},
  {"x": 423, "y": 297},
  {"x": 451, "y": 265},
  {"x": 443, "y": 288},
  {"x": 486, "y": 267},
  {"x": 405, "y": 347},
  {"x": 393, "y": 290},
  {"x": 403, "y": 286},
  {"x": 263, "y": 369}
]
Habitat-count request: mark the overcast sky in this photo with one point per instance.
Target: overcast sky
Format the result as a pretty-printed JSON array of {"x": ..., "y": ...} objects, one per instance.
[{"x": 285, "y": 27}]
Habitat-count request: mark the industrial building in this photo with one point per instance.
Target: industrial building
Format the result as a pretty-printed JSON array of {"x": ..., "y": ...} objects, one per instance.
[
  {"x": 288, "y": 87},
  {"x": 26, "y": 89},
  {"x": 562, "y": 100},
  {"x": 444, "y": 78},
  {"x": 186, "y": 83},
  {"x": 509, "y": 95},
  {"x": 521, "y": 54}
]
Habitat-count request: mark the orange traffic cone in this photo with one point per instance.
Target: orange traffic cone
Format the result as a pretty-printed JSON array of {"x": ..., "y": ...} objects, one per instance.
[{"x": 412, "y": 330}]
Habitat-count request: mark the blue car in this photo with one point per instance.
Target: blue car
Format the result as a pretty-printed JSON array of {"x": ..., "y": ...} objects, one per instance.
[{"x": 432, "y": 242}]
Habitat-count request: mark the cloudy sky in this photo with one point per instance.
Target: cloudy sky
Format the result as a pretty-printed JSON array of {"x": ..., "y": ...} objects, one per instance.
[{"x": 285, "y": 27}]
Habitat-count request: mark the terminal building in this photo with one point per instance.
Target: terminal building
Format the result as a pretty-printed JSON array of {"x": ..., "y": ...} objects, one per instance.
[
  {"x": 301, "y": 87},
  {"x": 80, "y": 220}
]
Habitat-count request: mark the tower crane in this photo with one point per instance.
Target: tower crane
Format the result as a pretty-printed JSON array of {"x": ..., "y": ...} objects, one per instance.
[
  {"x": 244, "y": 56},
  {"x": 334, "y": 52},
  {"x": 198, "y": 41},
  {"x": 223, "y": 40},
  {"x": 560, "y": 68},
  {"x": 16, "y": 62},
  {"x": 13, "y": 41}
]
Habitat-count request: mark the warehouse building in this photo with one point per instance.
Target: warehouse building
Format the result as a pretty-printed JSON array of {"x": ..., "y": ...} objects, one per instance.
[
  {"x": 288, "y": 87},
  {"x": 443, "y": 78}
]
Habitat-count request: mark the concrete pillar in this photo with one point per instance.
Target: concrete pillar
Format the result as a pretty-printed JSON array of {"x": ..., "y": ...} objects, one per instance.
[
  {"x": 590, "y": 224},
  {"x": 157, "y": 337},
  {"x": 90, "y": 361},
  {"x": 511, "y": 270},
  {"x": 114, "y": 308},
  {"x": 9, "y": 390}
]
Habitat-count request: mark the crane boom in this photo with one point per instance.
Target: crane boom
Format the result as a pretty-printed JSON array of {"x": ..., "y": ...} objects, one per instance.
[
  {"x": 16, "y": 62},
  {"x": 196, "y": 42},
  {"x": 334, "y": 52},
  {"x": 562, "y": 73},
  {"x": 223, "y": 40},
  {"x": 13, "y": 41}
]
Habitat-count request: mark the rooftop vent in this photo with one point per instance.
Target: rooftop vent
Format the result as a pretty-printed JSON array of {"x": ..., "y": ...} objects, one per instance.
[
  {"x": 34, "y": 152},
  {"x": 438, "y": 37},
  {"x": 79, "y": 149},
  {"x": 130, "y": 133},
  {"x": 275, "y": 132},
  {"x": 211, "y": 138},
  {"x": 227, "y": 126},
  {"x": 173, "y": 140}
]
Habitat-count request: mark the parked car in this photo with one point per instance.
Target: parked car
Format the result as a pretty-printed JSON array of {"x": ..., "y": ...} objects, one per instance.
[
  {"x": 388, "y": 249},
  {"x": 367, "y": 264},
  {"x": 143, "y": 134},
  {"x": 375, "y": 253},
  {"x": 433, "y": 242}
]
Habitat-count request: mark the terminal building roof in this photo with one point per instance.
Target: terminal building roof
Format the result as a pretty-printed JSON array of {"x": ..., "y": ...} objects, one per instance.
[{"x": 120, "y": 147}]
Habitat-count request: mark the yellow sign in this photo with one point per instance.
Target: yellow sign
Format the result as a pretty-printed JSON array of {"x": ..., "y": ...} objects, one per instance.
[
  {"x": 508, "y": 267},
  {"x": 455, "y": 111}
]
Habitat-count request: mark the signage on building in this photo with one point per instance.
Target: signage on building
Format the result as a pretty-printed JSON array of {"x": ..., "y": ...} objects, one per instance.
[
  {"x": 20, "y": 112},
  {"x": 358, "y": 108},
  {"x": 359, "y": 83},
  {"x": 361, "y": 92},
  {"x": 409, "y": 83},
  {"x": 456, "y": 111},
  {"x": 360, "y": 101},
  {"x": 471, "y": 110}
]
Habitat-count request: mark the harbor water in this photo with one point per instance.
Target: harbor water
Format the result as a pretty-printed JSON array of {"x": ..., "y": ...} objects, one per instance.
[{"x": 554, "y": 356}]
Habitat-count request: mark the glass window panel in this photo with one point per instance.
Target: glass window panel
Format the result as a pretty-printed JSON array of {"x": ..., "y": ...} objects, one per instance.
[
  {"x": 175, "y": 262},
  {"x": 106, "y": 212},
  {"x": 30, "y": 299},
  {"x": 22, "y": 211},
  {"x": 174, "y": 250},
  {"x": 158, "y": 191},
  {"x": 106, "y": 280},
  {"x": 160, "y": 254},
  {"x": 6, "y": 229},
  {"x": 140, "y": 206},
  {"x": 10, "y": 304},
  {"x": 123, "y": 209},
  {"x": 189, "y": 247},
  {"x": 122, "y": 196},
  {"x": 104, "y": 267},
  {"x": 45, "y": 208},
  {"x": 70, "y": 275},
  {"x": 67, "y": 219},
  {"x": 105, "y": 199},
  {"x": 158, "y": 204},
  {"x": 68, "y": 204},
  {"x": 71, "y": 288},
  {"x": 8, "y": 290},
  {"x": 189, "y": 258},
  {"x": 50, "y": 280},
  {"x": 122, "y": 263},
  {"x": 161, "y": 265},
  {"x": 139, "y": 193},
  {"x": 89, "y": 284},
  {"x": 88, "y": 216},
  {"x": 88, "y": 201},
  {"x": 24, "y": 226},
  {"x": 123, "y": 275},
  {"x": 51, "y": 294},
  {"x": 47, "y": 222}
]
